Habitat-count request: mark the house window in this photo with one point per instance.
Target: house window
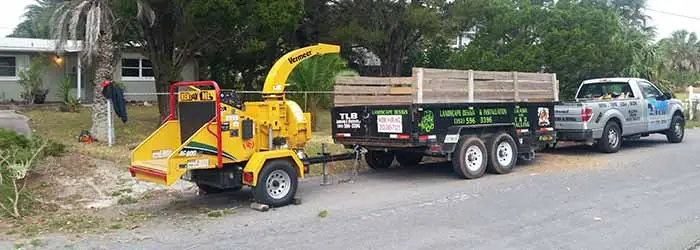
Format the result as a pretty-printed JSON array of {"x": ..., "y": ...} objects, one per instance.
[
  {"x": 8, "y": 66},
  {"x": 137, "y": 68}
]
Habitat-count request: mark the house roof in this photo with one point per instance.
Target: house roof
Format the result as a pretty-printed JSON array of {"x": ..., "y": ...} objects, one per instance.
[{"x": 12, "y": 44}]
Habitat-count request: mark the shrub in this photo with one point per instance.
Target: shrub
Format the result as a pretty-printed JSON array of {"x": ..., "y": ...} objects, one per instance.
[
  {"x": 18, "y": 157},
  {"x": 68, "y": 102}
]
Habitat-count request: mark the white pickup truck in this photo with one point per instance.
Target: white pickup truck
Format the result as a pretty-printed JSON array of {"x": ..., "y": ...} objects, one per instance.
[{"x": 608, "y": 110}]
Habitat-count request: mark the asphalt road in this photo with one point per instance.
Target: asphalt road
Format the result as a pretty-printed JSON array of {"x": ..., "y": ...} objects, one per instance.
[
  {"x": 647, "y": 196},
  {"x": 13, "y": 121}
]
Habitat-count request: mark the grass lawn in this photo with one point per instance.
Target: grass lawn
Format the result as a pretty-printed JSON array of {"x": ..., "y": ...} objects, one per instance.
[
  {"x": 683, "y": 96},
  {"x": 65, "y": 127}
]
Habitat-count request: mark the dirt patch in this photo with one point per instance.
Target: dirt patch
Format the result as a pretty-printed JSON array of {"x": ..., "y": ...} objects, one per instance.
[
  {"x": 567, "y": 157},
  {"x": 76, "y": 181},
  {"x": 80, "y": 194}
]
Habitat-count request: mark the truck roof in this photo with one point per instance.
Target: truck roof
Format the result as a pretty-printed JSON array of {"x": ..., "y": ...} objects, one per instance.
[{"x": 611, "y": 79}]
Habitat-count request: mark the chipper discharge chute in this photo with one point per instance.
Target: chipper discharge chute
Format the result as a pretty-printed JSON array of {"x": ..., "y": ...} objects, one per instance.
[{"x": 220, "y": 144}]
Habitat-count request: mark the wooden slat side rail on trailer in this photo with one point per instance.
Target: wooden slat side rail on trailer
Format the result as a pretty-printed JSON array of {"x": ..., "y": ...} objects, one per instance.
[
  {"x": 373, "y": 90},
  {"x": 447, "y": 86}
]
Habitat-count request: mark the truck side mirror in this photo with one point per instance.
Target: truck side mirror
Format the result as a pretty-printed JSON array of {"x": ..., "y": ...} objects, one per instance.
[
  {"x": 665, "y": 96},
  {"x": 668, "y": 96}
]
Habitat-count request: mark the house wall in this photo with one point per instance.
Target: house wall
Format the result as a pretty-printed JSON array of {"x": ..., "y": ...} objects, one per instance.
[
  {"x": 141, "y": 85},
  {"x": 9, "y": 86},
  {"x": 10, "y": 89}
]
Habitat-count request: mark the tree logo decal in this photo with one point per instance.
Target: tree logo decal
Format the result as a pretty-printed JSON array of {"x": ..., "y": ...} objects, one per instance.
[{"x": 427, "y": 122}]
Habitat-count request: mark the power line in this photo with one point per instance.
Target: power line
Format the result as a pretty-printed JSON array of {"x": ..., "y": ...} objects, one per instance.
[{"x": 673, "y": 14}]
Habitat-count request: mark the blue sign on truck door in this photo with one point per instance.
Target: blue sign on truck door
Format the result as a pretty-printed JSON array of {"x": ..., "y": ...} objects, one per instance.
[{"x": 657, "y": 112}]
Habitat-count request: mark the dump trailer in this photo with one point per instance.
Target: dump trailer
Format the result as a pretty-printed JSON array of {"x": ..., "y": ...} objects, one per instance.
[
  {"x": 212, "y": 139},
  {"x": 478, "y": 120}
]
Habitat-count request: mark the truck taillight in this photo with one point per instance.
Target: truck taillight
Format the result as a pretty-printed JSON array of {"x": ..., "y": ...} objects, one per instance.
[{"x": 586, "y": 114}]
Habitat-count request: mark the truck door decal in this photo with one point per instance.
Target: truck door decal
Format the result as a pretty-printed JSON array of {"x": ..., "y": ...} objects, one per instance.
[{"x": 657, "y": 111}]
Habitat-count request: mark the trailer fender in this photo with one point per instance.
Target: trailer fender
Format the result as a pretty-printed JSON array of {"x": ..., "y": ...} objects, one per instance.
[
  {"x": 258, "y": 160},
  {"x": 455, "y": 132}
]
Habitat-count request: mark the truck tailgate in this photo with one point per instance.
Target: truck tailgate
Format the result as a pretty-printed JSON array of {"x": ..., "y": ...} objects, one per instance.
[{"x": 569, "y": 115}]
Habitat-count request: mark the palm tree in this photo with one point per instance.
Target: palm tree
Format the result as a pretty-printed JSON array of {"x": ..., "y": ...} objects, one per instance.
[
  {"x": 317, "y": 74},
  {"x": 682, "y": 50},
  {"x": 91, "y": 20},
  {"x": 37, "y": 20}
]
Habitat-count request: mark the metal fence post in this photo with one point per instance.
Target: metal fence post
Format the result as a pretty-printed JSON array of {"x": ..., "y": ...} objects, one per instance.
[
  {"x": 691, "y": 107},
  {"x": 306, "y": 100},
  {"x": 110, "y": 126},
  {"x": 326, "y": 179}
]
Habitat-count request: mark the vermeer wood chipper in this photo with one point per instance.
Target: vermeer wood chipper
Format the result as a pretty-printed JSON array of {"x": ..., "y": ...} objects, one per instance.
[{"x": 220, "y": 144}]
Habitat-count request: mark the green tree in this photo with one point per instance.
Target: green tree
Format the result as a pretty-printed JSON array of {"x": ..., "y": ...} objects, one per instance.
[
  {"x": 317, "y": 74},
  {"x": 580, "y": 41},
  {"x": 92, "y": 20},
  {"x": 682, "y": 50},
  {"x": 37, "y": 20},
  {"x": 508, "y": 39},
  {"x": 389, "y": 29},
  {"x": 171, "y": 32}
]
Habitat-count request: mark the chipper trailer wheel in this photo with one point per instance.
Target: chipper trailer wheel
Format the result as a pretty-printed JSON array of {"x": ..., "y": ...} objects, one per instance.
[
  {"x": 503, "y": 153},
  {"x": 277, "y": 184},
  {"x": 470, "y": 158}
]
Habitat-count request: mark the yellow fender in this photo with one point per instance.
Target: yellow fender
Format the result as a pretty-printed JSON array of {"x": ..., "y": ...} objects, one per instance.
[{"x": 258, "y": 160}]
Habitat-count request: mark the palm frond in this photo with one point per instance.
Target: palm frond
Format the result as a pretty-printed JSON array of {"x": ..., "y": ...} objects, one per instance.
[
  {"x": 145, "y": 12},
  {"x": 84, "y": 19}
]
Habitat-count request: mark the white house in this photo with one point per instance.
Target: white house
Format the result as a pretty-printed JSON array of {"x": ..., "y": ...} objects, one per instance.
[{"x": 134, "y": 70}]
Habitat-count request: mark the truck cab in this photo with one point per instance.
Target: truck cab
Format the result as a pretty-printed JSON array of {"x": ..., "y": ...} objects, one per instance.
[{"x": 608, "y": 110}]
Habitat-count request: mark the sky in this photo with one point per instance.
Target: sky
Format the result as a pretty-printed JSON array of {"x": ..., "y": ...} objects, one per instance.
[{"x": 12, "y": 10}]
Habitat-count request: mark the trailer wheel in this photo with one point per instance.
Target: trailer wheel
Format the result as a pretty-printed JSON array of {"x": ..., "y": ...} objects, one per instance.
[
  {"x": 379, "y": 159},
  {"x": 611, "y": 141},
  {"x": 277, "y": 183},
  {"x": 408, "y": 158},
  {"x": 503, "y": 153},
  {"x": 470, "y": 157}
]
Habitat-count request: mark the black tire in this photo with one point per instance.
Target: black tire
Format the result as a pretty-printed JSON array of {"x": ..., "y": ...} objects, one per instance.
[
  {"x": 205, "y": 189},
  {"x": 676, "y": 133},
  {"x": 408, "y": 158},
  {"x": 611, "y": 141},
  {"x": 473, "y": 148},
  {"x": 379, "y": 159},
  {"x": 503, "y": 154},
  {"x": 281, "y": 189}
]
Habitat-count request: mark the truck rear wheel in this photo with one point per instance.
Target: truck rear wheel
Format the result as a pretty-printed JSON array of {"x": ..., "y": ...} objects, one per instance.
[
  {"x": 408, "y": 158},
  {"x": 503, "y": 154},
  {"x": 611, "y": 141},
  {"x": 677, "y": 131},
  {"x": 470, "y": 157},
  {"x": 379, "y": 159},
  {"x": 277, "y": 183}
]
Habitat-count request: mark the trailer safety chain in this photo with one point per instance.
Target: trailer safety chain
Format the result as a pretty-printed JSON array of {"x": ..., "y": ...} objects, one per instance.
[{"x": 359, "y": 153}]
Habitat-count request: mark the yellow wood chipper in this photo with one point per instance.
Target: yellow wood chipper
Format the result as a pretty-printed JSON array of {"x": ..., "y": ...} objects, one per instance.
[{"x": 221, "y": 144}]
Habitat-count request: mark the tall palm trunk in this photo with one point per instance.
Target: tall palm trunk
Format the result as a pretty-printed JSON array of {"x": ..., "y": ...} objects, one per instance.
[{"x": 104, "y": 71}]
